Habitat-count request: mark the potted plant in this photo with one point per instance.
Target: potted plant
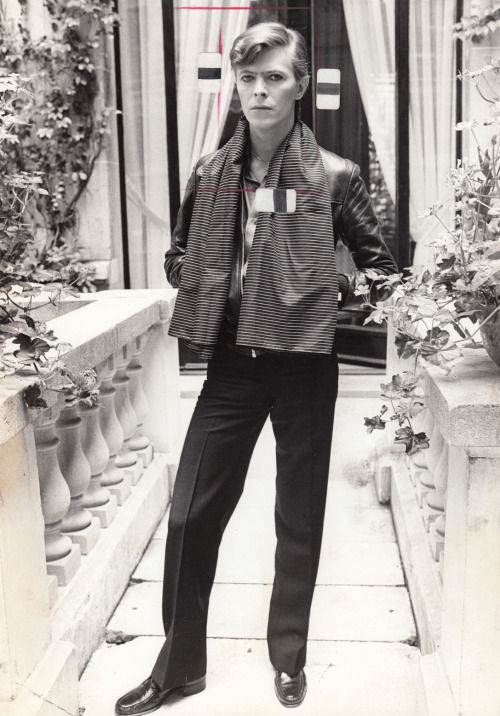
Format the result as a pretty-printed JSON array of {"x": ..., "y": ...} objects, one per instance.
[{"x": 438, "y": 313}]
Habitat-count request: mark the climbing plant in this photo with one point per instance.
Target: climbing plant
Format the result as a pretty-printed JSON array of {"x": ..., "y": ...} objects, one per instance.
[
  {"x": 28, "y": 344},
  {"x": 62, "y": 120}
]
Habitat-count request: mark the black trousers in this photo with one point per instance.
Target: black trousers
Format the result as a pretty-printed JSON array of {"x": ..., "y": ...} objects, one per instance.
[{"x": 299, "y": 393}]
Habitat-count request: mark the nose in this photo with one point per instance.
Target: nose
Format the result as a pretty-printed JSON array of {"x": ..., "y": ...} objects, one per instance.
[{"x": 260, "y": 89}]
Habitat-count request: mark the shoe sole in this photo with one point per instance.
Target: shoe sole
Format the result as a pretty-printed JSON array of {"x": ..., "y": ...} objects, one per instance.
[
  {"x": 195, "y": 687},
  {"x": 285, "y": 703}
]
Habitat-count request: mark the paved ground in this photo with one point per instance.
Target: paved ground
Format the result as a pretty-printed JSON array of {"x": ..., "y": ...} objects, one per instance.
[{"x": 361, "y": 660}]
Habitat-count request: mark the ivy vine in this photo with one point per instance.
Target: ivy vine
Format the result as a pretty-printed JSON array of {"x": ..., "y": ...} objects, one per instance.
[
  {"x": 28, "y": 345},
  {"x": 62, "y": 122}
]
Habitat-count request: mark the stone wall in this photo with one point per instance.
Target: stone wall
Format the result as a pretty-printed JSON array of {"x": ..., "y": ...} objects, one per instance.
[
  {"x": 82, "y": 490},
  {"x": 446, "y": 509}
]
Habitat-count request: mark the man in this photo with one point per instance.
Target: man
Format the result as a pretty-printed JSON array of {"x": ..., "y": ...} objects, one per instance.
[{"x": 258, "y": 298}]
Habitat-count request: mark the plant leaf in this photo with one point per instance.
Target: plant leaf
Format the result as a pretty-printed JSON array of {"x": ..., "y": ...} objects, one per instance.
[
  {"x": 375, "y": 423},
  {"x": 32, "y": 397}
]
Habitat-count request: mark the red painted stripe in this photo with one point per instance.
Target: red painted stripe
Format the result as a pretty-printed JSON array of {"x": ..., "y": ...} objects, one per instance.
[
  {"x": 317, "y": 51},
  {"x": 241, "y": 7},
  {"x": 252, "y": 191},
  {"x": 219, "y": 92},
  {"x": 317, "y": 110}
]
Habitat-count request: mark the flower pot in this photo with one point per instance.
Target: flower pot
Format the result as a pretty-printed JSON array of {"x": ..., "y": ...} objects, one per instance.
[{"x": 490, "y": 333}]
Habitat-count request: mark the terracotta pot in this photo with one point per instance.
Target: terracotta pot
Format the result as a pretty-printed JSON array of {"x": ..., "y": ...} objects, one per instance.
[{"x": 490, "y": 333}]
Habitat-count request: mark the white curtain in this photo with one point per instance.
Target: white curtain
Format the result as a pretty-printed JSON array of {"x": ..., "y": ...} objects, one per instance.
[
  {"x": 370, "y": 26},
  {"x": 143, "y": 84},
  {"x": 432, "y": 106},
  {"x": 201, "y": 115}
]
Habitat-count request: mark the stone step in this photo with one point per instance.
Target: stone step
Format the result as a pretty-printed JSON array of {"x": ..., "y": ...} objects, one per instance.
[
  {"x": 352, "y": 446},
  {"x": 251, "y": 561},
  {"x": 344, "y": 679},
  {"x": 345, "y": 521},
  {"x": 257, "y": 505},
  {"x": 340, "y": 613}
]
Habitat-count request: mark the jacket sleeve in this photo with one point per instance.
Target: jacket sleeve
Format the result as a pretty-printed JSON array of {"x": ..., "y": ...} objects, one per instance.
[
  {"x": 360, "y": 232},
  {"x": 174, "y": 257}
]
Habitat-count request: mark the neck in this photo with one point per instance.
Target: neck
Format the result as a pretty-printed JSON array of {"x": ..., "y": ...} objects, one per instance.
[{"x": 264, "y": 143}]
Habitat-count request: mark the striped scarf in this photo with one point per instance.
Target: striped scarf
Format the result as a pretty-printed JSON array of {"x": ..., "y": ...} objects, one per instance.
[{"x": 290, "y": 298}]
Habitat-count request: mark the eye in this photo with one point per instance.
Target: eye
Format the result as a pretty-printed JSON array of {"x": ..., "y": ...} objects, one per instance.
[
  {"x": 276, "y": 77},
  {"x": 246, "y": 78}
]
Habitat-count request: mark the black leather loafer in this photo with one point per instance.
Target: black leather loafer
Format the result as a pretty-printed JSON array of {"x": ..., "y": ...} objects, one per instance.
[
  {"x": 148, "y": 697},
  {"x": 290, "y": 690}
]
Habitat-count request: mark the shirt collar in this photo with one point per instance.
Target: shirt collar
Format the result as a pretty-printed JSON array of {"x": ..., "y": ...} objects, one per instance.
[{"x": 248, "y": 176}]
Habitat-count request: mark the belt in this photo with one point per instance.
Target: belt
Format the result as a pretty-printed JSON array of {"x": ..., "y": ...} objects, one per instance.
[{"x": 244, "y": 350}]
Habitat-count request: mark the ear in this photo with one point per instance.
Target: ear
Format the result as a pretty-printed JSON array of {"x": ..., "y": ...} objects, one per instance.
[{"x": 302, "y": 86}]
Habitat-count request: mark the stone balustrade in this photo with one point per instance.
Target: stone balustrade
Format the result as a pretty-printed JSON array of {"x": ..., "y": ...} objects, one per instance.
[
  {"x": 428, "y": 471},
  {"x": 446, "y": 508},
  {"x": 82, "y": 489}
]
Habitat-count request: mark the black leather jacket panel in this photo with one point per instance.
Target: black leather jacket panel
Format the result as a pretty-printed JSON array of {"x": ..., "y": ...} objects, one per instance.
[{"x": 354, "y": 222}]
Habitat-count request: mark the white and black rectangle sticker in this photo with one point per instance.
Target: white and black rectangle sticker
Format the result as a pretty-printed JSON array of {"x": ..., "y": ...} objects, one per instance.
[
  {"x": 209, "y": 71},
  {"x": 328, "y": 89},
  {"x": 278, "y": 201}
]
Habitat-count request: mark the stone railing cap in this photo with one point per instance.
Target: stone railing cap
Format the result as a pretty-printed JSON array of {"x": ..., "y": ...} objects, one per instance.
[
  {"x": 466, "y": 403},
  {"x": 101, "y": 326}
]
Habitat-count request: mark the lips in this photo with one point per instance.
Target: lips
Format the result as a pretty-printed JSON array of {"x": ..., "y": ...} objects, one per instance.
[{"x": 261, "y": 106}]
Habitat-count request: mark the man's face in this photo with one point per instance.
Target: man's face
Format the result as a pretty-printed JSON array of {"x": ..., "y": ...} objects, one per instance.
[{"x": 268, "y": 89}]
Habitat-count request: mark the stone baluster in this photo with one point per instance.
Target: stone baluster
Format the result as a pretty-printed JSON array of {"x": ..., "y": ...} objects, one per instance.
[
  {"x": 161, "y": 382},
  {"x": 97, "y": 498},
  {"x": 113, "y": 476},
  {"x": 63, "y": 557},
  {"x": 433, "y": 505},
  {"x": 126, "y": 458},
  {"x": 438, "y": 527},
  {"x": 423, "y": 422},
  {"x": 78, "y": 522},
  {"x": 139, "y": 442},
  {"x": 423, "y": 478}
]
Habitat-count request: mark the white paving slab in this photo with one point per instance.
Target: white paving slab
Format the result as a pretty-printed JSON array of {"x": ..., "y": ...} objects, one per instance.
[
  {"x": 344, "y": 679},
  {"x": 237, "y": 611},
  {"x": 369, "y": 564},
  {"x": 343, "y": 493},
  {"x": 243, "y": 560},
  {"x": 352, "y": 513},
  {"x": 352, "y": 446},
  {"x": 354, "y": 524}
]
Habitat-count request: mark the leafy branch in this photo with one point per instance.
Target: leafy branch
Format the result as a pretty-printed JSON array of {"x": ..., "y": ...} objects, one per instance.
[{"x": 403, "y": 393}]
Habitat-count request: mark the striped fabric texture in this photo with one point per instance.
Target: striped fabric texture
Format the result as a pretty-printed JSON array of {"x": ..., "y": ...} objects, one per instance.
[{"x": 290, "y": 297}]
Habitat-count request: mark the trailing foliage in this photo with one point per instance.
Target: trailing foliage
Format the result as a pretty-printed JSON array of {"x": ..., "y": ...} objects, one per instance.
[
  {"x": 437, "y": 313},
  {"x": 480, "y": 23},
  {"x": 62, "y": 122},
  {"x": 404, "y": 395},
  {"x": 26, "y": 344}
]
